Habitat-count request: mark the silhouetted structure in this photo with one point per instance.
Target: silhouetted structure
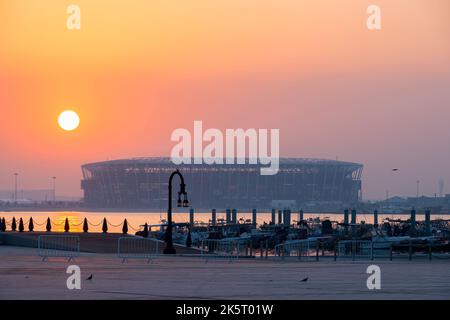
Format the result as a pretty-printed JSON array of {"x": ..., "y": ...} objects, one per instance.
[
  {"x": 145, "y": 231},
  {"x": 142, "y": 183},
  {"x": 105, "y": 226},
  {"x": 169, "y": 249},
  {"x": 66, "y": 225},
  {"x": 85, "y": 225},
  {"x": 189, "y": 239},
  {"x": 13, "y": 224},
  {"x": 48, "y": 227},
  {"x": 125, "y": 227},
  {"x": 31, "y": 225}
]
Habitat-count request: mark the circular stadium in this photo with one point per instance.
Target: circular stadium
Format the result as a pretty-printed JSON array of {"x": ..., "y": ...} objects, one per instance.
[{"x": 141, "y": 183}]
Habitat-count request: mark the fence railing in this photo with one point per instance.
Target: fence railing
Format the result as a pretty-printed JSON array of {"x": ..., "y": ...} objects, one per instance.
[
  {"x": 58, "y": 246},
  {"x": 355, "y": 249},
  {"x": 231, "y": 249},
  {"x": 304, "y": 248},
  {"x": 382, "y": 249},
  {"x": 137, "y": 248}
]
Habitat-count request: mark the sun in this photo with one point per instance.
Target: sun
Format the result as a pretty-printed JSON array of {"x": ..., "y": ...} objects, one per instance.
[{"x": 69, "y": 120}]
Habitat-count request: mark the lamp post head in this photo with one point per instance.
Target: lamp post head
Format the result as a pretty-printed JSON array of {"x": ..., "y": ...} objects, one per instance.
[
  {"x": 185, "y": 201},
  {"x": 179, "y": 202}
]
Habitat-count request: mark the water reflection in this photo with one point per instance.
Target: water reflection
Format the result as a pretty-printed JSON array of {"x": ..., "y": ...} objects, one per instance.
[{"x": 75, "y": 222}]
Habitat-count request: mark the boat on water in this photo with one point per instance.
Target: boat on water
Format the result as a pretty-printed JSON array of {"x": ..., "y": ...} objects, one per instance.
[{"x": 390, "y": 234}]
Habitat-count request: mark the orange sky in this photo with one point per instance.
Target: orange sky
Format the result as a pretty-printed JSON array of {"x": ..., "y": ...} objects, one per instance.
[{"x": 139, "y": 69}]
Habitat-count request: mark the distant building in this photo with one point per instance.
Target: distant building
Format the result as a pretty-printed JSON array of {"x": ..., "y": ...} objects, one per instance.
[
  {"x": 427, "y": 202},
  {"x": 395, "y": 201},
  {"x": 142, "y": 183},
  {"x": 398, "y": 204}
]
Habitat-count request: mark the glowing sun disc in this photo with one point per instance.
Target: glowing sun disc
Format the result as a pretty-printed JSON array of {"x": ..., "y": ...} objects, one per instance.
[{"x": 69, "y": 120}]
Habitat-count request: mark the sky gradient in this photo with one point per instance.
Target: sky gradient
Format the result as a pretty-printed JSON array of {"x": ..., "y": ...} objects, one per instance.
[{"x": 139, "y": 69}]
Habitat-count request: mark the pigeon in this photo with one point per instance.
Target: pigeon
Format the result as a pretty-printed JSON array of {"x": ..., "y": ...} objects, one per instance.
[
  {"x": 304, "y": 280},
  {"x": 90, "y": 277},
  {"x": 395, "y": 169}
]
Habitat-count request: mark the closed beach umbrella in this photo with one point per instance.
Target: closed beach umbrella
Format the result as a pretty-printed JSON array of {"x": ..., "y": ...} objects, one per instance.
[
  {"x": 125, "y": 227},
  {"x": 13, "y": 224},
  {"x": 3, "y": 224},
  {"x": 105, "y": 226},
  {"x": 31, "y": 225},
  {"x": 21, "y": 227},
  {"x": 85, "y": 225},
  {"x": 48, "y": 227},
  {"x": 66, "y": 225}
]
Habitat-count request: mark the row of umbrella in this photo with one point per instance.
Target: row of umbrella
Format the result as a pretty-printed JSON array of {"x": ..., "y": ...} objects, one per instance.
[{"x": 21, "y": 226}]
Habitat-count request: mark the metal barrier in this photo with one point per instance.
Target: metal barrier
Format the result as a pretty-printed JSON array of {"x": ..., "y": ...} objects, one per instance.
[
  {"x": 58, "y": 246},
  {"x": 382, "y": 249},
  {"x": 355, "y": 249},
  {"x": 231, "y": 249},
  {"x": 137, "y": 248},
  {"x": 297, "y": 248}
]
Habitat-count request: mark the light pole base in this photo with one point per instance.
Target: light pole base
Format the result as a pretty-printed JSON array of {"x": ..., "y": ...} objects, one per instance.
[{"x": 169, "y": 250}]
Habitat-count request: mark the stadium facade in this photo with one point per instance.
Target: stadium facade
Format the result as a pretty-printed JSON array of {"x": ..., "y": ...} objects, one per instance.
[{"x": 142, "y": 183}]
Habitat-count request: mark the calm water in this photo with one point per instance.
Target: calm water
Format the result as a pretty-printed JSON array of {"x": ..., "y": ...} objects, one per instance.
[{"x": 136, "y": 220}]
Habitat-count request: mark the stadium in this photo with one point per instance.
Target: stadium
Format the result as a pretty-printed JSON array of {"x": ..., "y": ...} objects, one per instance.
[{"x": 142, "y": 183}]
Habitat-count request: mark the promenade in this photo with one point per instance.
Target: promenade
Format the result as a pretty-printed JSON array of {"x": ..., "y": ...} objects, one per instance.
[{"x": 24, "y": 276}]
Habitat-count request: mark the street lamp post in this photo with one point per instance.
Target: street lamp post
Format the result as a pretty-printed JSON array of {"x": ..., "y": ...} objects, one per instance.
[
  {"x": 15, "y": 186},
  {"x": 417, "y": 193},
  {"x": 180, "y": 203},
  {"x": 54, "y": 188}
]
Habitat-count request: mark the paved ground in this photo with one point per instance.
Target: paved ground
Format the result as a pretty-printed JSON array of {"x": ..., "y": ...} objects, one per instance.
[{"x": 24, "y": 276}]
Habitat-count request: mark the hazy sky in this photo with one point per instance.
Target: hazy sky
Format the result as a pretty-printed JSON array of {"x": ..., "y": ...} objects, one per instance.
[{"x": 138, "y": 69}]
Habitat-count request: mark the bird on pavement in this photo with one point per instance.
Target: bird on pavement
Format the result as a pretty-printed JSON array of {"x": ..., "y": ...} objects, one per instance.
[
  {"x": 90, "y": 277},
  {"x": 304, "y": 280}
]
